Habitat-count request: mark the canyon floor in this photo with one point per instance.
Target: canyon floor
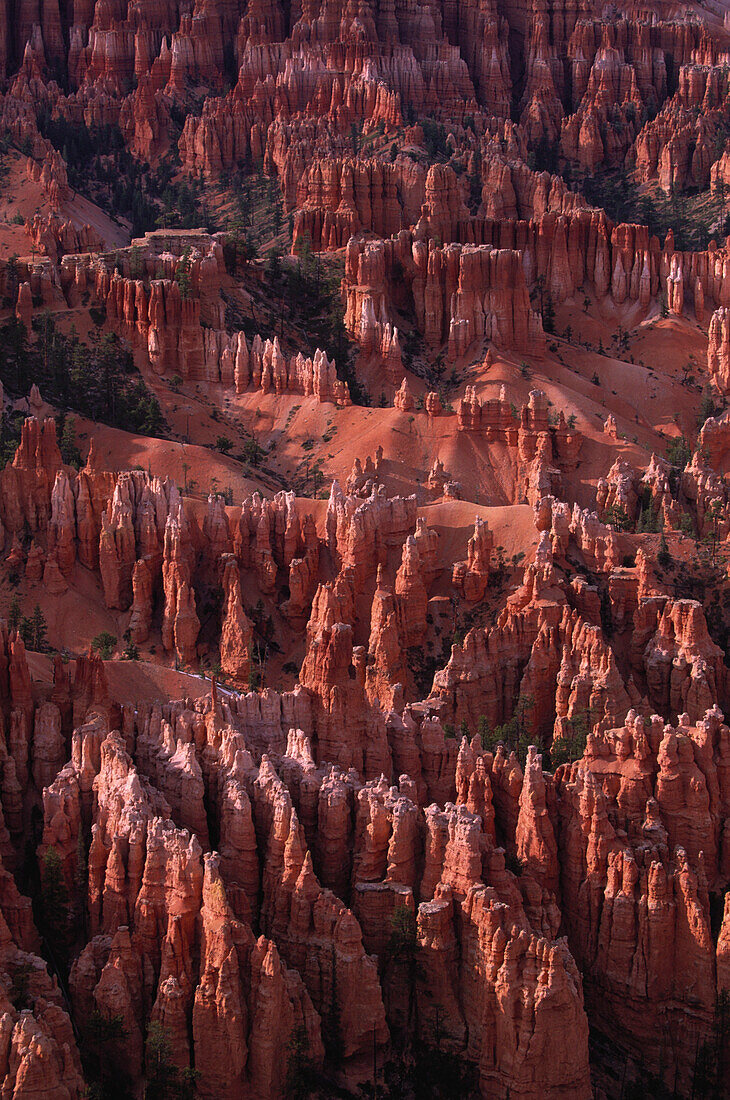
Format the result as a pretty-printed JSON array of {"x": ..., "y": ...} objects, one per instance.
[{"x": 364, "y": 549}]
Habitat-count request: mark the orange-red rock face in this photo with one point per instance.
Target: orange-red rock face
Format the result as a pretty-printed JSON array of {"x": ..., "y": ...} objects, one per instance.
[
  {"x": 212, "y": 982},
  {"x": 234, "y": 843},
  {"x": 387, "y": 855},
  {"x": 561, "y": 830},
  {"x": 718, "y": 352}
]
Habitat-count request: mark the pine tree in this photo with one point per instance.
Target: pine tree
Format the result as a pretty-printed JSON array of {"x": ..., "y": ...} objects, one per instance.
[
  {"x": 69, "y": 450},
  {"x": 39, "y": 629},
  {"x": 14, "y": 614},
  {"x": 301, "y": 1076},
  {"x": 54, "y": 901},
  {"x": 82, "y": 863},
  {"x": 183, "y": 275},
  {"x": 33, "y": 630},
  {"x": 486, "y": 735},
  {"x": 104, "y": 644},
  {"x": 12, "y": 280},
  {"x": 165, "y": 1080}
]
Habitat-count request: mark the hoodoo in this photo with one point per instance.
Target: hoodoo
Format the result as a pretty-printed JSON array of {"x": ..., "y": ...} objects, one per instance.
[{"x": 364, "y": 550}]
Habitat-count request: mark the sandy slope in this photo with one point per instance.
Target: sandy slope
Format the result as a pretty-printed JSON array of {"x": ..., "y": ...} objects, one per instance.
[
  {"x": 129, "y": 681},
  {"x": 21, "y": 197}
]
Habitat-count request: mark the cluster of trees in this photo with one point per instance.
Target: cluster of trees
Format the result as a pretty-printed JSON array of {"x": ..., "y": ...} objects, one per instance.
[
  {"x": 104, "y": 644},
  {"x": 101, "y": 167},
  {"x": 624, "y": 202},
  {"x": 474, "y": 183},
  {"x": 101, "y": 1045},
  {"x": 179, "y": 205},
  {"x": 258, "y": 210},
  {"x": 430, "y": 1072},
  {"x": 78, "y": 143},
  {"x": 32, "y": 628},
  {"x": 648, "y": 521},
  {"x": 310, "y": 292},
  {"x": 11, "y": 424},
  {"x": 434, "y": 136},
  {"x": 517, "y": 734},
  {"x": 514, "y": 734},
  {"x": 572, "y": 746},
  {"x": 712, "y": 1065},
  {"x": 679, "y": 454},
  {"x": 264, "y": 644},
  {"x": 97, "y": 379},
  {"x": 709, "y": 1073},
  {"x": 708, "y": 408},
  {"x": 12, "y": 282},
  {"x": 150, "y": 200},
  {"x": 238, "y": 249}
]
